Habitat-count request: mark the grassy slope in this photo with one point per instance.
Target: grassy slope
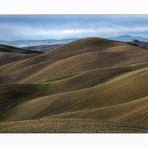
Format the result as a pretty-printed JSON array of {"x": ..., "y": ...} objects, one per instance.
[
  {"x": 73, "y": 58},
  {"x": 11, "y": 49},
  {"x": 70, "y": 126},
  {"x": 91, "y": 78},
  {"x": 131, "y": 85},
  {"x": 10, "y": 54},
  {"x": 13, "y": 94},
  {"x": 6, "y": 58}
]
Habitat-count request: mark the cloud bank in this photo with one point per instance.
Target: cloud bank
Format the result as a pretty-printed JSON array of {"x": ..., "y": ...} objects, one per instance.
[{"x": 71, "y": 26}]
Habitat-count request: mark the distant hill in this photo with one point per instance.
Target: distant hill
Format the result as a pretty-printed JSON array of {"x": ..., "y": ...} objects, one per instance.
[
  {"x": 127, "y": 38},
  {"x": 42, "y": 48},
  {"x": 25, "y": 43}
]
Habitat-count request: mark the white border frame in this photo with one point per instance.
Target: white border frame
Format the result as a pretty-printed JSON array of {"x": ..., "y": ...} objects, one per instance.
[{"x": 74, "y": 7}]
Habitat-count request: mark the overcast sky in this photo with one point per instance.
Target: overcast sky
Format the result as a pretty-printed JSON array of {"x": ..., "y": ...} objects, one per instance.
[{"x": 36, "y": 27}]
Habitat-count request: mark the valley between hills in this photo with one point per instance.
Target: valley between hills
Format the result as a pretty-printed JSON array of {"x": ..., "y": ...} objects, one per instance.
[{"x": 91, "y": 85}]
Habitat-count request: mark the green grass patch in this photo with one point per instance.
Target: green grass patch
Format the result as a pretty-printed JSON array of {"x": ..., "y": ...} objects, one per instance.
[{"x": 45, "y": 86}]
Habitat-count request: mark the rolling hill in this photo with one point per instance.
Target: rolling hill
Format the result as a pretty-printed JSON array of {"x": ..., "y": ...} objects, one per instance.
[
  {"x": 11, "y": 49},
  {"x": 88, "y": 85},
  {"x": 9, "y": 54}
]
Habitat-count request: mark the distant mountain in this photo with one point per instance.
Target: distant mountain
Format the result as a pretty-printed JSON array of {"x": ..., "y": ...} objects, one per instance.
[
  {"x": 127, "y": 38},
  {"x": 26, "y": 43},
  {"x": 42, "y": 48}
]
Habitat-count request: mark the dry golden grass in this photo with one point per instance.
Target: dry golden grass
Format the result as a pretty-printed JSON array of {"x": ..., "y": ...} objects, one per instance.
[
  {"x": 11, "y": 49},
  {"x": 132, "y": 85},
  {"x": 89, "y": 85},
  {"x": 70, "y": 126},
  {"x": 73, "y": 58},
  {"x": 6, "y": 58}
]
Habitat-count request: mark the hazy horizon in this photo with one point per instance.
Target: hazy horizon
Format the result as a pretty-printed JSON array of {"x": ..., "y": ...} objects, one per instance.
[{"x": 40, "y": 27}]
